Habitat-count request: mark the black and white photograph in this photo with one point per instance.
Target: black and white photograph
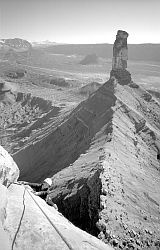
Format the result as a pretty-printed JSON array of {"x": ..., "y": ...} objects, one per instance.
[{"x": 79, "y": 124}]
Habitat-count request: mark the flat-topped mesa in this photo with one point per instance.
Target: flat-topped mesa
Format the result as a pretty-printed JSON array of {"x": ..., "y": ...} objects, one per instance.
[{"x": 120, "y": 57}]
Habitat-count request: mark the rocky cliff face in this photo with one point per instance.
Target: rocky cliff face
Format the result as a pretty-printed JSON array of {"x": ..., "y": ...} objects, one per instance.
[
  {"x": 120, "y": 51},
  {"x": 104, "y": 162},
  {"x": 120, "y": 57},
  {"x": 124, "y": 152},
  {"x": 27, "y": 222},
  {"x": 63, "y": 145},
  {"x": 22, "y": 116},
  {"x": 113, "y": 175}
]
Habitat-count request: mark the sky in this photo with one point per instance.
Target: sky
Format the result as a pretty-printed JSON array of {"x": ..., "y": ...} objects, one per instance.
[{"x": 80, "y": 21}]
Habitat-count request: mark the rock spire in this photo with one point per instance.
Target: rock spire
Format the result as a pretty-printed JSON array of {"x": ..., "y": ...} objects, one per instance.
[
  {"x": 120, "y": 57},
  {"x": 120, "y": 51}
]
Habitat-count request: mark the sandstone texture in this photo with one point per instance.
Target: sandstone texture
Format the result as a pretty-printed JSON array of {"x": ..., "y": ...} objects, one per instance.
[
  {"x": 27, "y": 222},
  {"x": 120, "y": 51},
  {"x": 120, "y": 166},
  {"x": 108, "y": 150},
  {"x": 120, "y": 57},
  {"x": 104, "y": 160},
  {"x": 21, "y": 116},
  {"x": 9, "y": 171}
]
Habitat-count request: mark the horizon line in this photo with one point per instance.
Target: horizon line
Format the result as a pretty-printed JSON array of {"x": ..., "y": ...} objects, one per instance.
[{"x": 65, "y": 43}]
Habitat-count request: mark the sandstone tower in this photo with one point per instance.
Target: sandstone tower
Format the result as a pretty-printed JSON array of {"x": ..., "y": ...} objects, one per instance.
[
  {"x": 120, "y": 51},
  {"x": 120, "y": 57}
]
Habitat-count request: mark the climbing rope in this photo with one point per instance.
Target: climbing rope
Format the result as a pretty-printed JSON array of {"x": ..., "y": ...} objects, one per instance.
[
  {"x": 15, "y": 236},
  {"x": 57, "y": 230}
]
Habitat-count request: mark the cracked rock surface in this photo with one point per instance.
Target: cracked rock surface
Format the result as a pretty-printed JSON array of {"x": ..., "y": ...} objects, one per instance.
[
  {"x": 27, "y": 222},
  {"x": 104, "y": 162}
]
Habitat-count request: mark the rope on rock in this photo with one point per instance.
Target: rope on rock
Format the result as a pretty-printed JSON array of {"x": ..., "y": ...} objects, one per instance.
[
  {"x": 15, "y": 236},
  {"x": 57, "y": 230}
]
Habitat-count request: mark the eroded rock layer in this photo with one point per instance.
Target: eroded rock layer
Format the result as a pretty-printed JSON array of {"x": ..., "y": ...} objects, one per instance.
[
  {"x": 104, "y": 160},
  {"x": 63, "y": 145},
  {"x": 27, "y": 222},
  {"x": 21, "y": 117},
  {"x": 120, "y": 57},
  {"x": 110, "y": 142}
]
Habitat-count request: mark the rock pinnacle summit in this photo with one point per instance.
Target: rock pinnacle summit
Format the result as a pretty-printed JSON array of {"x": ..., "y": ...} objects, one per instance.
[{"x": 120, "y": 57}]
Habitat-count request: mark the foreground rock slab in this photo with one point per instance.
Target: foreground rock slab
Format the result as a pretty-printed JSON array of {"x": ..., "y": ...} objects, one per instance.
[
  {"x": 27, "y": 222},
  {"x": 9, "y": 171},
  {"x": 32, "y": 224}
]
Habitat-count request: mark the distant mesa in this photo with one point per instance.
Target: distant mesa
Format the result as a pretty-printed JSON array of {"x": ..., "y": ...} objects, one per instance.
[
  {"x": 89, "y": 59},
  {"x": 120, "y": 57},
  {"x": 15, "y": 44},
  {"x": 89, "y": 88}
]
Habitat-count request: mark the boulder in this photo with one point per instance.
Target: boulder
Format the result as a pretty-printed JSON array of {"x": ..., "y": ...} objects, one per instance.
[{"x": 9, "y": 171}]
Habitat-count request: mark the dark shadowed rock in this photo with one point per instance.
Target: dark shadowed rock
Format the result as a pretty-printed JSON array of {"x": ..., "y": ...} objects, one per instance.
[
  {"x": 4, "y": 88},
  {"x": 89, "y": 88}
]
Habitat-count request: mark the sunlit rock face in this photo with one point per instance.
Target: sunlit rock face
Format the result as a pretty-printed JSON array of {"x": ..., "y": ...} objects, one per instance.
[
  {"x": 120, "y": 57},
  {"x": 120, "y": 51},
  {"x": 28, "y": 223},
  {"x": 9, "y": 171}
]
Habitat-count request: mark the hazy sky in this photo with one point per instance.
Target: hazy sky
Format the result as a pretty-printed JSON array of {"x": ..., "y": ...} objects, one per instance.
[{"x": 80, "y": 21}]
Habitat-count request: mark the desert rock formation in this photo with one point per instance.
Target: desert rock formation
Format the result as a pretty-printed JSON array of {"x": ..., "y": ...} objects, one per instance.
[
  {"x": 89, "y": 59},
  {"x": 120, "y": 51},
  {"x": 89, "y": 88},
  {"x": 113, "y": 174},
  {"x": 104, "y": 162},
  {"x": 120, "y": 57},
  {"x": 9, "y": 171},
  {"x": 16, "y": 43},
  {"x": 27, "y": 222}
]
